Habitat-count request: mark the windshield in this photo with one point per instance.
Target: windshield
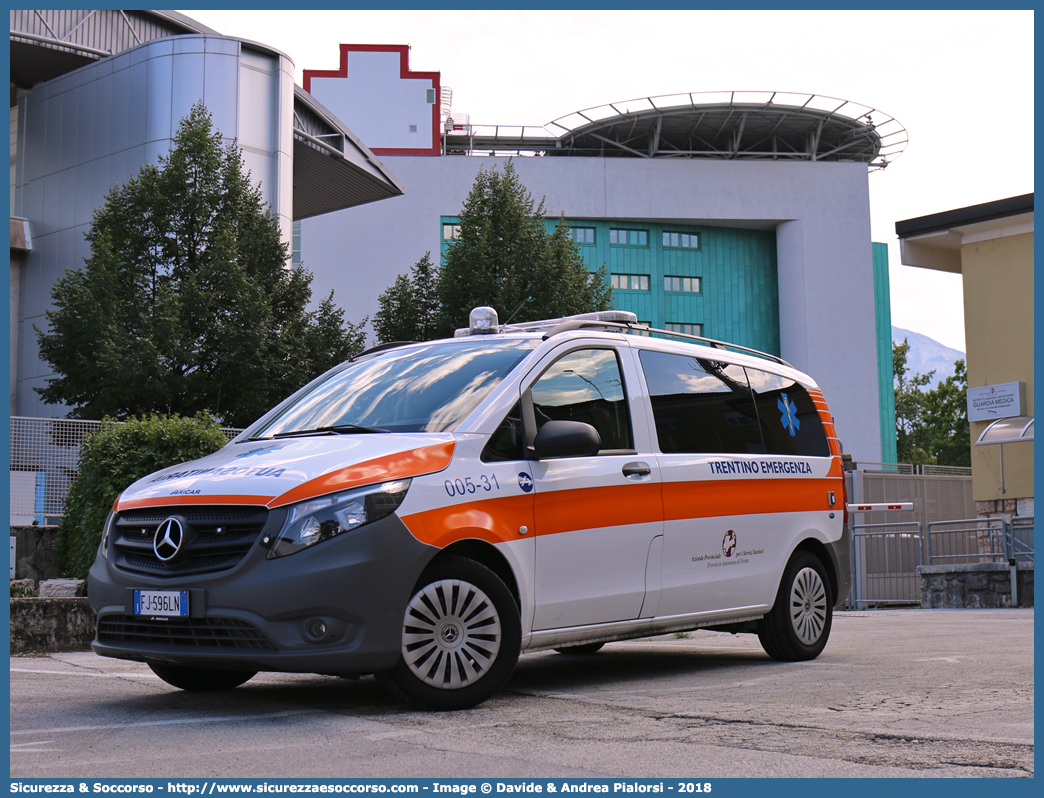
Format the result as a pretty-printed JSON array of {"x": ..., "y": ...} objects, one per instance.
[{"x": 429, "y": 388}]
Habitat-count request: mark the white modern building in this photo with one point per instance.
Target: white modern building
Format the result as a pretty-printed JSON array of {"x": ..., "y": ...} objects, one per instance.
[{"x": 739, "y": 216}]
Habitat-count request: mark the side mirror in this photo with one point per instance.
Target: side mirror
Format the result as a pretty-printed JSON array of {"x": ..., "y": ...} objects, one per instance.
[{"x": 566, "y": 439}]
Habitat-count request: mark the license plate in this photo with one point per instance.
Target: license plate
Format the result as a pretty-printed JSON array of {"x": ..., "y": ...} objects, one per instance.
[{"x": 170, "y": 603}]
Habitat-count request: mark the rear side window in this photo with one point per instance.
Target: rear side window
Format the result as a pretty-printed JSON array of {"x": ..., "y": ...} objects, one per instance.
[
  {"x": 585, "y": 385},
  {"x": 700, "y": 406},
  {"x": 706, "y": 407},
  {"x": 790, "y": 423}
]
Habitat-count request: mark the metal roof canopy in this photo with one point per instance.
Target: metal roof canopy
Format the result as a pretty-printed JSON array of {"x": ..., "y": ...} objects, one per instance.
[
  {"x": 1007, "y": 430},
  {"x": 735, "y": 125},
  {"x": 333, "y": 169}
]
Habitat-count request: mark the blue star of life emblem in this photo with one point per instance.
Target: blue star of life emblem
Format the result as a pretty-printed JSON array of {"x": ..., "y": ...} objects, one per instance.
[
  {"x": 789, "y": 418},
  {"x": 262, "y": 450}
]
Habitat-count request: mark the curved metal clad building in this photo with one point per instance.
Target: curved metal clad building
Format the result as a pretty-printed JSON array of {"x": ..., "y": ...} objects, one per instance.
[{"x": 97, "y": 94}]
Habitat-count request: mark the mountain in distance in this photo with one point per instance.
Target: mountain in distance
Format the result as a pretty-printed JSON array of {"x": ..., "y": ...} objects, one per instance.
[{"x": 927, "y": 354}]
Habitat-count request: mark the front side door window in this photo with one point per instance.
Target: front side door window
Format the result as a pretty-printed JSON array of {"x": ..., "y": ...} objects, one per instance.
[{"x": 585, "y": 385}]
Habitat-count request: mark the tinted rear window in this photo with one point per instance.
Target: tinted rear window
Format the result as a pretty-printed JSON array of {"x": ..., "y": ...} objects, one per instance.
[{"x": 703, "y": 406}]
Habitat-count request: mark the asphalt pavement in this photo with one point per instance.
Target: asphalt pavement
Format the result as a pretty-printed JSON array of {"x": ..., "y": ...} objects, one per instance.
[{"x": 896, "y": 693}]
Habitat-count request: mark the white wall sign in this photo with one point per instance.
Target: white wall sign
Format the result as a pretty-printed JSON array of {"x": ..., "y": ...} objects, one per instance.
[{"x": 996, "y": 401}]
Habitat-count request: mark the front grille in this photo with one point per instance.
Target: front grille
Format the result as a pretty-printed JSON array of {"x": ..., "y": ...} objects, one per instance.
[
  {"x": 190, "y": 632},
  {"x": 215, "y": 539}
]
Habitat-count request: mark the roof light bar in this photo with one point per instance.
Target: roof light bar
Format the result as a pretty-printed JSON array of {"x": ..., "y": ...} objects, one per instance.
[
  {"x": 609, "y": 316},
  {"x": 483, "y": 321}
]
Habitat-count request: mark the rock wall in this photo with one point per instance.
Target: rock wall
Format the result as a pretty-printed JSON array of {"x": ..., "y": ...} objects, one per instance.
[{"x": 975, "y": 586}]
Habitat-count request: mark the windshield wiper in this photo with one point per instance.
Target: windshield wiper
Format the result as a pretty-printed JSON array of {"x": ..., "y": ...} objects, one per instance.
[{"x": 335, "y": 429}]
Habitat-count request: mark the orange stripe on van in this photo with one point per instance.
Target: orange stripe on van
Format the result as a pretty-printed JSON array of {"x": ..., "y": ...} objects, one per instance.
[
  {"x": 593, "y": 508},
  {"x": 551, "y": 513},
  {"x": 547, "y": 513},
  {"x": 166, "y": 501},
  {"x": 426, "y": 460},
  {"x": 493, "y": 520},
  {"x": 683, "y": 500}
]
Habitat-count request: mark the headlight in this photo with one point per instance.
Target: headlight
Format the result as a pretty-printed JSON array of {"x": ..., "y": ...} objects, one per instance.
[
  {"x": 320, "y": 519},
  {"x": 104, "y": 548}
]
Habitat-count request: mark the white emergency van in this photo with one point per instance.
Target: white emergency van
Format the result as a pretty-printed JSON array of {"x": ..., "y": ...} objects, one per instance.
[{"x": 426, "y": 512}]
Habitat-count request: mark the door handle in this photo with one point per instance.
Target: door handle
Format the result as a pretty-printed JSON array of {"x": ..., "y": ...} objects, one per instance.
[{"x": 636, "y": 470}]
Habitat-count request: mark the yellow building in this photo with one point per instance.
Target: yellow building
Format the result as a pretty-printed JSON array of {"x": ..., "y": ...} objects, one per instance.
[{"x": 991, "y": 247}]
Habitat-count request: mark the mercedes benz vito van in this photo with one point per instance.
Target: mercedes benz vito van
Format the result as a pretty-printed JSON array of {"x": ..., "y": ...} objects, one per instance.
[{"x": 427, "y": 511}]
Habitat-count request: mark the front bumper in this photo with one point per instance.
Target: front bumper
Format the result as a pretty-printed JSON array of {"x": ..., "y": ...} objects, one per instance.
[{"x": 262, "y": 614}]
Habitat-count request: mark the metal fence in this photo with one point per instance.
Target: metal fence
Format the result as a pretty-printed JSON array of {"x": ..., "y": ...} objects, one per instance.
[
  {"x": 45, "y": 459},
  {"x": 909, "y": 469},
  {"x": 884, "y": 563},
  {"x": 983, "y": 540},
  {"x": 1020, "y": 538},
  {"x": 966, "y": 541},
  {"x": 978, "y": 540},
  {"x": 888, "y": 545}
]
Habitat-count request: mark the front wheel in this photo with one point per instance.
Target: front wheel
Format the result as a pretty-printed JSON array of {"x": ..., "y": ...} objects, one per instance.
[
  {"x": 798, "y": 625},
  {"x": 461, "y": 636},
  {"x": 200, "y": 680}
]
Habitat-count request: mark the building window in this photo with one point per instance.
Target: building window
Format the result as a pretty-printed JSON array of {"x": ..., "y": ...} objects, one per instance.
[
  {"x": 430, "y": 96},
  {"x": 688, "y": 329},
  {"x": 450, "y": 232},
  {"x": 634, "y": 238},
  {"x": 688, "y": 240},
  {"x": 295, "y": 245},
  {"x": 630, "y": 282},
  {"x": 689, "y": 285},
  {"x": 583, "y": 235}
]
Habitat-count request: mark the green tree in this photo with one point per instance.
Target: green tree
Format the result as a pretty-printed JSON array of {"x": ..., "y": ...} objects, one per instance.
[
  {"x": 410, "y": 309},
  {"x": 909, "y": 408},
  {"x": 111, "y": 458},
  {"x": 505, "y": 258},
  {"x": 185, "y": 303},
  {"x": 946, "y": 419},
  {"x": 931, "y": 425}
]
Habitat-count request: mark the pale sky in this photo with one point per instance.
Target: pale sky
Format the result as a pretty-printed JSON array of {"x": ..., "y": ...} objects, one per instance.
[{"x": 960, "y": 82}]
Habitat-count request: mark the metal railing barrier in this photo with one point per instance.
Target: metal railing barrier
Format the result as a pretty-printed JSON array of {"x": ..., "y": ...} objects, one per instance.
[
  {"x": 968, "y": 540},
  {"x": 1020, "y": 538},
  {"x": 884, "y": 563}
]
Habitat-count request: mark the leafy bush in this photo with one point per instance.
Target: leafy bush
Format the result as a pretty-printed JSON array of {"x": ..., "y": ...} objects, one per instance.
[{"x": 113, "y": 457}]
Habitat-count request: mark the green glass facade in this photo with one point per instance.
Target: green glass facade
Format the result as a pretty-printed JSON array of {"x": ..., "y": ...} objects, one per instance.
[
  {"x": 721, "y": 279},
  {"x": 885, "y": 375}
]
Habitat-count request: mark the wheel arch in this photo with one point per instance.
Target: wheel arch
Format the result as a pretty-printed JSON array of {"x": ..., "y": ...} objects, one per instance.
[
  {"x": 486, "y": 554},
  {"x": 823, "y": 554}
]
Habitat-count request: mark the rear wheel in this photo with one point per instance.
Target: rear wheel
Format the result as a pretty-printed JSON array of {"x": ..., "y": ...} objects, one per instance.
[
  {"x": 200, "y": 680},
  {"x": 461, "y": 636},
  {"x": 583, "y": 649},
  {"x": 798, "y": 625}
]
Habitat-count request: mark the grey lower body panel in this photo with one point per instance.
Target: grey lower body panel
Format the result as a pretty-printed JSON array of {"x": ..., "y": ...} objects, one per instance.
[
  {"x": 266, "y": 614},
  {"x": 841, "y": 559}
]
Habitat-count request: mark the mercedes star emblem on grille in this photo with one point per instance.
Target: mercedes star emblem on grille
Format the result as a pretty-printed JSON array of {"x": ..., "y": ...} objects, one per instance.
[{"x": 168, "y": 539}]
